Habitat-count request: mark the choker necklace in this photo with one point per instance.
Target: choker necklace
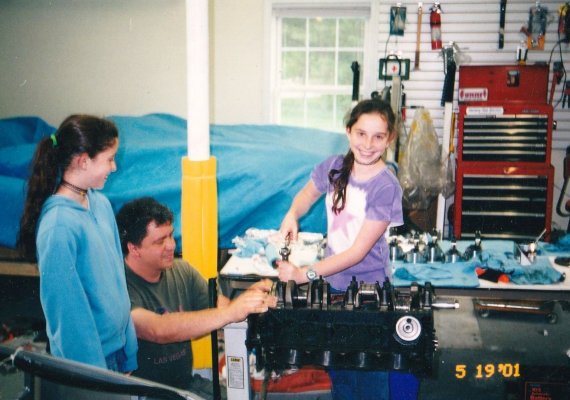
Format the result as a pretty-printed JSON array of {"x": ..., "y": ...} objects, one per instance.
[
  {"x": 368, "y": 163},
  {"x": 73, "y": 188}
]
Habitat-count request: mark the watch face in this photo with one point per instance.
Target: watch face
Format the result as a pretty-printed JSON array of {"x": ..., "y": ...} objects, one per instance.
[{"x": 312, "y": 275}]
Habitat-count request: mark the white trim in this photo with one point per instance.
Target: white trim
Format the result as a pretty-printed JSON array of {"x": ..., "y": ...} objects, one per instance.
[
  {"x": 274, "y": 9},
  {"x": 318, "y": 11}
]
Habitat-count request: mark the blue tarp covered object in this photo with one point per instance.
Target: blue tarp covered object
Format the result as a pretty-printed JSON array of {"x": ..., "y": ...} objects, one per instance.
[{"x": 259, "y": 169}]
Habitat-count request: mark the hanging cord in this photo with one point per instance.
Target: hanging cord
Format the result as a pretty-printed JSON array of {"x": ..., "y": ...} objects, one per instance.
[{"x": 563, "y": 79}]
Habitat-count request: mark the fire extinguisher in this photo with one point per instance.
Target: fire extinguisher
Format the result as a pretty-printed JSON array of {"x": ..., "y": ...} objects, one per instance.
[{"x": 435, "y": 25}]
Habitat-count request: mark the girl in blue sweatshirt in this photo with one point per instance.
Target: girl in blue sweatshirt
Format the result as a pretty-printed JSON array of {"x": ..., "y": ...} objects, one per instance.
[{"x": 70, "y": 229}]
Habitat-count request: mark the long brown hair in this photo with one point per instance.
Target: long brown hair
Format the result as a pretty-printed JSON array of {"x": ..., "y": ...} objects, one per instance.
[
  {"x": 339, "y": 177},
  {"x": 77, "y": 134}
]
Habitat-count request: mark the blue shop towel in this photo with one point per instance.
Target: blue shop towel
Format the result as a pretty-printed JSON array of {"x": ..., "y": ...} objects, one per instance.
[
  {"x": 561, "y": 246},
  {"x": 497, "y": 255},
  {"x": 248, "y": 247},
  {"x": 461, "y": 274},
  {"x": 540, "y": 272}
]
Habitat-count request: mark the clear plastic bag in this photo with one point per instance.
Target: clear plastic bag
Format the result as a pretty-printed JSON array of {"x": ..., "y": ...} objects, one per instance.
[{"x": 423, "y": 174}]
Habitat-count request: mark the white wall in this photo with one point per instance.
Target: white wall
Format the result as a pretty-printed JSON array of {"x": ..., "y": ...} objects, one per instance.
[
  {"x": 105, "y": 57},
  {"x": 238, "y": 72},
  {"x": 112, "y": 57}
]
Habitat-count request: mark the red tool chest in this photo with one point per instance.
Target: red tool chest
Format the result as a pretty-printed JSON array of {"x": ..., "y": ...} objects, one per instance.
[{"x": 504, "y": 178}]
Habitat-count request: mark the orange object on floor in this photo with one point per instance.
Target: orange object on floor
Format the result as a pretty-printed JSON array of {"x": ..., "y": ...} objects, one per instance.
[{"x": 306, "y": 379}]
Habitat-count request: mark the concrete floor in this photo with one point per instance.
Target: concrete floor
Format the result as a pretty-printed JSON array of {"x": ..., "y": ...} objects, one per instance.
[{"x": 21, "y": 313}]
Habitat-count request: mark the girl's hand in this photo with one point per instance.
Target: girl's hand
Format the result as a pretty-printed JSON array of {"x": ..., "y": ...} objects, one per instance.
[
  {"x": 290, "y": 272},
  {"x": 289, "y": 227}
]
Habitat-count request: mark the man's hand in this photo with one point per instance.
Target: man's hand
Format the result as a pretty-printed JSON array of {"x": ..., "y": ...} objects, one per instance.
[
  {"x": 256, "y": 299},
  {"x": 263, "y": 285}
]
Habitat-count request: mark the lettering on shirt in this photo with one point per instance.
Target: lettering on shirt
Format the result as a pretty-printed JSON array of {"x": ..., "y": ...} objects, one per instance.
[{"x": 170, "y": 357}]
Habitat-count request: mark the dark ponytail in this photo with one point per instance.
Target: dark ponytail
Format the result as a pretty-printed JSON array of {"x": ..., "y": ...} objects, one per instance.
[
  {"x": 41, "y": 184},
  {"x": 77, "y": 134}
]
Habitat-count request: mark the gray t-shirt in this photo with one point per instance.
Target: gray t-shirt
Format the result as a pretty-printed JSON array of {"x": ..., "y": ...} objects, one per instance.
[{"x": 180, "y": 288}]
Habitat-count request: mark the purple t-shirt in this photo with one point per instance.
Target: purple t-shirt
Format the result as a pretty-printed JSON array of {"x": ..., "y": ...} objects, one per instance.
[{"x": 378, "y": 198}]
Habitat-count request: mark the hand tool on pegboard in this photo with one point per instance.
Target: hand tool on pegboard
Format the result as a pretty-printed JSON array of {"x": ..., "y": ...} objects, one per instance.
[
  {"x": 557, "y": 74},
  {"x": 503, "y": 10},
  {"x": 565, "y": 94},
  {"x": 418, "y": 38}
]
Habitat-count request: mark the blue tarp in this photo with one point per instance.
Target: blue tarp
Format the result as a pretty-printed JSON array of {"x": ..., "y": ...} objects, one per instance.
[{"x": 259, "y": 169}]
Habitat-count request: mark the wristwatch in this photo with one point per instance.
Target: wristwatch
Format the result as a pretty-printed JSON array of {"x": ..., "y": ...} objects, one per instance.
[{"x": 311, "y": 274}]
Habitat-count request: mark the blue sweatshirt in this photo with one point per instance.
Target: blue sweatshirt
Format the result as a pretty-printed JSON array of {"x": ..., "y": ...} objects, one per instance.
[{"x": 82, "y": 282}]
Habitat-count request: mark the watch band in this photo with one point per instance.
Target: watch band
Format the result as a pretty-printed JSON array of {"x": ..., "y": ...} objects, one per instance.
[{"x": 311, "y": 274}]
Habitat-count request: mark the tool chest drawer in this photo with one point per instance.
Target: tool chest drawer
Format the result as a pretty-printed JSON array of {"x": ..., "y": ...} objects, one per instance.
[
  {"x": 505, "y": 133},
  {"x": 507, "y": 138},
  {"x": 503, "y": 202}
]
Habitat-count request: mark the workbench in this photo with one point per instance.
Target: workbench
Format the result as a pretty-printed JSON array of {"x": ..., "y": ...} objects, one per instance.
[{"x": 501, "y": 354}]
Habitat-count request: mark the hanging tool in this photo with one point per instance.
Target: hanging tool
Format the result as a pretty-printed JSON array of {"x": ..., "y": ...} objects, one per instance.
[
  {"x": 397, "y": 20},
  {"x": 435, "y": 25},
  {"x": 503, "y": 11},
  {"x": 566, "y": 174},
  {"x": 418, "y": 38},
  {"x": 565, "y": 94},
  {"x": 522, "y": 52},
  {"x": 536, "y": 28},
  {"x": 564, "y": 23},
  {"x": 355, "y": 67},
  {"x": 449, "y": 68},
  {"x": 557, "y": 74}
]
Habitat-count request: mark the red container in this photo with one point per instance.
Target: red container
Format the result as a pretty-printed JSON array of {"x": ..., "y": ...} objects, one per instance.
[
  {"x": 503, "y": 83},
  {"x": 504, "y": 179}
]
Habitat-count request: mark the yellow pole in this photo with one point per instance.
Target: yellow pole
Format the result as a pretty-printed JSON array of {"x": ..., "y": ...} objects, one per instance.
[
  {"x": 200, "y": 233},
  {"x": 199, "y": 208}
]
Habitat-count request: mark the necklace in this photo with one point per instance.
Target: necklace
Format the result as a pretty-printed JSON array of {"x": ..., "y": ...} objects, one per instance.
[{"x": 73, "y": 188}]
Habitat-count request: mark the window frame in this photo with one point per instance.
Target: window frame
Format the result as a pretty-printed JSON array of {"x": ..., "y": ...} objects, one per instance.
[{"x": 276, "y": 9}]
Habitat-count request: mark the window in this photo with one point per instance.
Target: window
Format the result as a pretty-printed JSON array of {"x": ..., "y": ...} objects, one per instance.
[{"x": 313, "y": 56}]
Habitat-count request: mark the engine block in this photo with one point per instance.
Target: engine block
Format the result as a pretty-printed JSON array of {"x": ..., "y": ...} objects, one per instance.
[{"x": 369, "y": 327}]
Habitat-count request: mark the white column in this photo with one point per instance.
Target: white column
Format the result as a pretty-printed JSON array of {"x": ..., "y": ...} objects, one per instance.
[{"x": 197, "y": 57}]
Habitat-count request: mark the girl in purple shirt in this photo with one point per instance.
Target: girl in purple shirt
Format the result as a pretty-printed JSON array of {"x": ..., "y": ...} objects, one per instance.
[{"x": 363, "y": 199}]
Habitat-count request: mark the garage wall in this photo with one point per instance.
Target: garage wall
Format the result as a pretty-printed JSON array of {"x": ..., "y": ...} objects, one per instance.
[
  {"x": 105, "y": 57},
  {"x": 474, "y": 26}
]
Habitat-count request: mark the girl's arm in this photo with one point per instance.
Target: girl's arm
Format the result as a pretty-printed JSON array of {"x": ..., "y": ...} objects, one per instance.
[
  {"x": 299, "y": 207},
  {"x": 369, "y": 234}
]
